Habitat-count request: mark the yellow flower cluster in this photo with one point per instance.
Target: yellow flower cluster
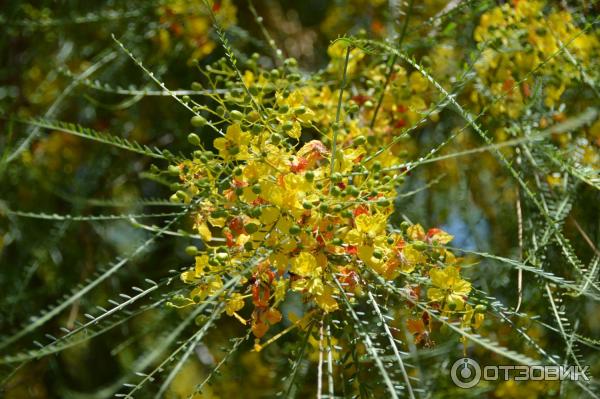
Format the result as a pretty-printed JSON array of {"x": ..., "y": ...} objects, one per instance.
[
  {"x": 520, "y": 37},
  {"x": 190, "y": 22},
  {"x": 299, "y": 200},
  {"x": 374, "y": 16}
]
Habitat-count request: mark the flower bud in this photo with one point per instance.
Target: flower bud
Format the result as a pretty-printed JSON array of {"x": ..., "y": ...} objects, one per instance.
[
  {"x": 191, "y": 250},
  {"x": 193, "y": 139},
  {"x": 198, "y": 121},
  {"x": 236, "y": 115}
]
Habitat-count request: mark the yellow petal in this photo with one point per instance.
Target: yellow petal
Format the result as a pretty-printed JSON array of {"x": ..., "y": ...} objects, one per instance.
[
  {"x": 326, "y": 300},
  {"x": 204, "y": 232}
]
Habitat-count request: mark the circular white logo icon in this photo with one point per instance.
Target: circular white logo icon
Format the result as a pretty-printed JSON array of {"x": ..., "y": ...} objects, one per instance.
[{"x": 465, "y": 373}]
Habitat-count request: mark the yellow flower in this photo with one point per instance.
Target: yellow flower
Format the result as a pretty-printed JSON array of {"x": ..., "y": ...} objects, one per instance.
[
  {"x": 234, "y": 145},
  {"x": 449, "y": 287},
  {"x": 305, "y": 265},
  {"x": 553, "y": 95},
  {"x": 418, "y": 83},
  {"x": 471, "y": 318},
  {"x": 416, "y": 232},
  {"x": 439, "y": 236},
  {"x": 371, "y": 225},
  {"x": 326, "y": 300},
  {"x": 337, "y": 52},
  {"x": 369, "y": 237},
  {"x": 411, "y": 257},
  {"x": 192, "y": 275},
  {"x": 211, "y": 286},
  {"x": 235, "y": 303}
]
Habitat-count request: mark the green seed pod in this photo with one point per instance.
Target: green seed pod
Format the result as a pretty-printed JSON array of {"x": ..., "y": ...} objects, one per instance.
[
  {"x": 288, "y": 126},
  {"x": 384, "y": 202},
  {"x": 275, "y": 73},
  {"x": 255, "y": 212},
  {"x": 257, "y": 128},
  {"x": 337, "y": 241},
  {"x": 248, "y": 246},
  {"x": 360, "y": 140},
  {"x": 182, "y": 195},
  {"x": 347, "y": 213},
  {"x": 196, "y": 86},
  {"x": 300, "y": 110},
  {"x": 256, "y": 189},
  {"x": 185, "y": 99},
  {"x": 219, "y": 213},
  {"x": 193, "y": 139},
  {"x": 251, "y": 228},
  {"x": 369, "y": 104},
  {"x": 377, "y": 254},
  {"x": 337, "y": 208},
  {"x": 191, "y": 250},
  {"x": 276, "y": 138},
  {"x": 290, "y": 62},
  {"x": 222, "y": 249},
  {"x": 269, "y": 88},
  {"x": 309, "y": 176},
  {"x": 335, "y": 191},
  {"x": 236, "y": 115},
  {"x": 323, "y": 208},
  {"x": 198, "y": 121},
  {"x": 295, "y": 229},
  {"x": 283, "y": 109},
  {"x": 420, "y": 245},
  {"x": 336, "y": 177},
  {"x": 307, "y": 205},
  {"x": 174, "y": 170}
]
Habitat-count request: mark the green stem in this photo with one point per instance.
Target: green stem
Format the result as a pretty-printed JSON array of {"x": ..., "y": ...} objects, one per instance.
[
  {"x": 392, "y": 63},
  {"x": 336, "y": 127}
]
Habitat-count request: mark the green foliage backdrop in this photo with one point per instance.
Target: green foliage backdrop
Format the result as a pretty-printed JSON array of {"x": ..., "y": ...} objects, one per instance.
[{"x": 266, "y": 198}]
